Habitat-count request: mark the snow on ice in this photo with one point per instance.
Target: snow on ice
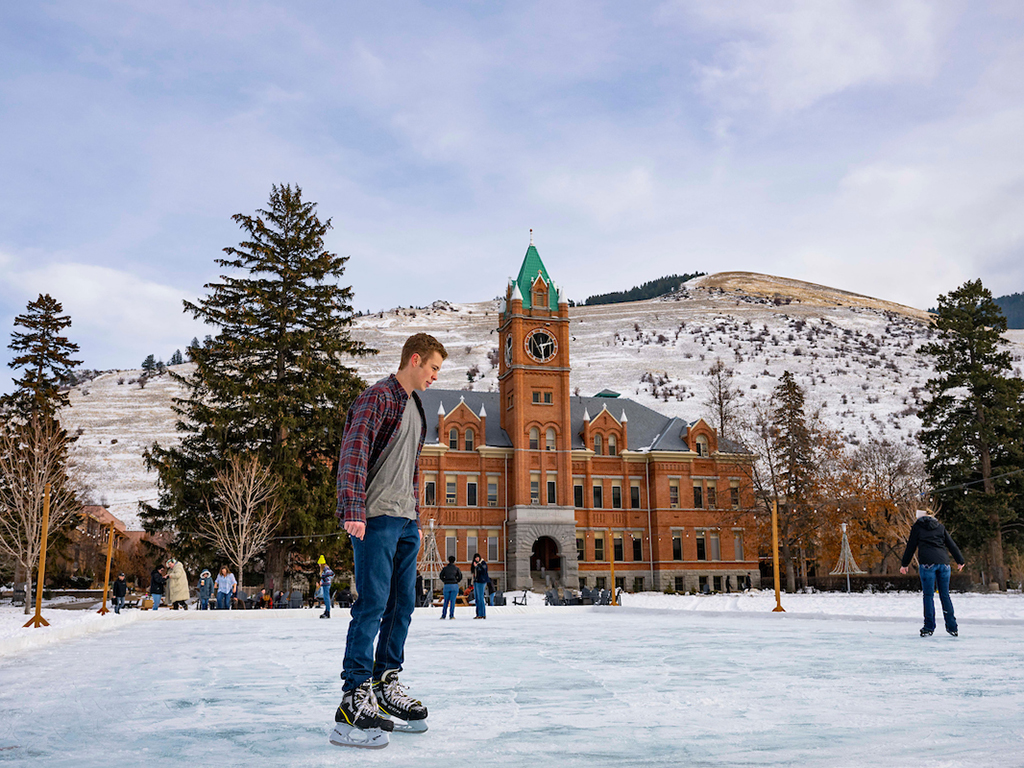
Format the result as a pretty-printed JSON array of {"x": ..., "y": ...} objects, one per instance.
[{"x": 838, "y": 680}]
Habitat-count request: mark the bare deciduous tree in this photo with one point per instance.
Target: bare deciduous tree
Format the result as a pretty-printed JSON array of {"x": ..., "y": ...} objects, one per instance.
[
  {"x": 721, "y": 399},
  {"x": 245, "y": 513},
  {"x": 33, "y": 453}
]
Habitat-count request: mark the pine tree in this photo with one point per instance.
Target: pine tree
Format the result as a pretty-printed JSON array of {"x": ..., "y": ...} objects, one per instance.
[
  {"x": 176, "y": 358},
  {"x": 273, "y": 382},
  {"x": 149, "y": 364},
  {"x": 44, "y": 354},
  {"x": 971, "y": 425}
]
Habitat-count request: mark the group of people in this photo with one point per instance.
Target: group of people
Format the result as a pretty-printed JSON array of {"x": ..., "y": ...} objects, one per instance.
[
  {"x": 482, "y": 587},
  {"x": 171, "y": 580}
]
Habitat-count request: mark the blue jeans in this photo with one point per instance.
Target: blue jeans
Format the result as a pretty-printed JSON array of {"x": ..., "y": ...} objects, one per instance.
[
  {"x": 930, "y": 576},
  {"x": 204, "y": 603},
  {"x": 326, "y": 592},
  {"x": 223, "y": 601},
  {"x": 156, "y": 601},
  {"x": 385, "y": 569},
  {"x": 450, "y": 593},
  {"x": 118, "y": 604},
  {"x": 480, "y": 598}
]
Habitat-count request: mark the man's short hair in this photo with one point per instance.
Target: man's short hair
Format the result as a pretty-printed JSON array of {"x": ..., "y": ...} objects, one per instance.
[
  {"x": 451, "y": 559},
  {"x": 422, "y": 344}
]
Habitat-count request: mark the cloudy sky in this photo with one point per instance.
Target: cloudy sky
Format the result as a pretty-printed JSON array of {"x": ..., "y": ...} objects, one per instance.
[{"x": 870, "y": 146}]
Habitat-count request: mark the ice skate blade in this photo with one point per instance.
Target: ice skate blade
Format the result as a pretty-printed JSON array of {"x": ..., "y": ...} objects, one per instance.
[
  {"x": 345, "y": 735},
  {"x": 413, "y": 726}
]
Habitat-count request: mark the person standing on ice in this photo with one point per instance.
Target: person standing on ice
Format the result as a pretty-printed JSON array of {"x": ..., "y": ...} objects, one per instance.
[
  {"x": 204, "y": 590},
  {"x": 227, "y": 585},
  {"x": 326, "y": 574},
  {"x": 120, "y": 589},
  {"x": 451, "y": 577},
  {"x": 378, "y": 503},
  {"x": 480, "y": 580},
  {"x": 932, "y": 540},
  {"x": 157, "y": 583},
  {"x": 177, "y": 585}
]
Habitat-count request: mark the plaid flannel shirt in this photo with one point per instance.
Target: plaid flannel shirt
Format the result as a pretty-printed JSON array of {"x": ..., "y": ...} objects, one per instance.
[{"x": 372, "y": 422}]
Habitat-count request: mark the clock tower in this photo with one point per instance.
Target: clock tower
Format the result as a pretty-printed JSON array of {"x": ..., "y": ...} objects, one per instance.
[{"x": 535, "y": 413}]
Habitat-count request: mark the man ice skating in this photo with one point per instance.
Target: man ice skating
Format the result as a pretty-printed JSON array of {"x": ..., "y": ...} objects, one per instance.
[
  {"x": 378, "y": 502},
  {"x": 931, "y": 540},
  {"x": 451, "y": 577}
]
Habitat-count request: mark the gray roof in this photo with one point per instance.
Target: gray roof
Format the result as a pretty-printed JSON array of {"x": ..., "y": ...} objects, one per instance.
[{"x": 648, "y": 429}]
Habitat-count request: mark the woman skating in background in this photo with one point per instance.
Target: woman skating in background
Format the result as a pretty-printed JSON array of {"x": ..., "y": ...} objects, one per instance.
[{"x": 932, "y": 540}]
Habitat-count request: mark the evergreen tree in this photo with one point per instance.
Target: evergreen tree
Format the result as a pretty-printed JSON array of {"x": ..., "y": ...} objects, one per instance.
[
  {"x": 149, "y": 364},
  {"x": 972, "y": 423},
  {"x": 176, "y": 358},
  {"x": 192, "y": 345},
  {"x": 44, "y": 354},
  {"x": 273, "y": 382}
]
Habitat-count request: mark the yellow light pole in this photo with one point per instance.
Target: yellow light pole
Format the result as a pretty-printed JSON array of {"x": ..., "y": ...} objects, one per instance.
[
  {"x": 38, "y": 620},
  {"x": 611, "y": 561},
  {"x": 775, "y": 555},
  {"x": 106, "y": 581}
]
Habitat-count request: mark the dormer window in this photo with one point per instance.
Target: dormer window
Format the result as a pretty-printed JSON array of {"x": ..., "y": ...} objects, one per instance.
[
  {"x": 598, "y": 447},
  {"x": 453, "y": 439},
  {"x": 470, "y": 439},
  {"x": 613, "y": 446},
  {"x": 700, "y": 446}
]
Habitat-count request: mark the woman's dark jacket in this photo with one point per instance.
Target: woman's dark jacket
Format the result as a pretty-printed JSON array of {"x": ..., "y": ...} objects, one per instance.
[
  {"x": 156, "y": 583},
  {"x": 931, "y": 540},
  {"x": 450, "y": 574},
  {"x": 481, "y": 576}
]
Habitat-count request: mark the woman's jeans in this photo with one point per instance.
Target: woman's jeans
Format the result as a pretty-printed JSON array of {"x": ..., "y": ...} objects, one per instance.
[
  {"x": 480, "y": 598},
  {"x": 156, "y": 601},
  {"x": 451, "y": 594},
  {"x": 385, "y": 569},
  {"x": 932, "y": 575},
  {"x": 326, "y": 592},
  {"x": 223, "y": 601}
]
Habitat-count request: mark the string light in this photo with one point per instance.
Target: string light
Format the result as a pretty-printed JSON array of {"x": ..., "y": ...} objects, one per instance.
[{"x": 966, "y": 486}]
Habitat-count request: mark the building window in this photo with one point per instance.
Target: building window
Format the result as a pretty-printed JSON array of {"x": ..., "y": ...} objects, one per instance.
[
  {"x": 492, "y": 546},
  {"x": 597, "y": 445},
  {"x": 673, "y": 494},
  {"x": 547, "y": 398},
  {"x": 702, "y": 583},
  {"x": 536, "y": 397},
  {"x": 492, "y": 492},
  {"x": 471, "y": 493},
  {"x": 617, "y": 547},
  {"x": 535, "y": 489},
  {"x": 634, "y": 494},
  {"x": 583, "y": 582},
  {"x": 712, "y": 491},
  {"x": 472, "y": 543},
  {"x": 599, "y": 547},
  {"x": 638, "y": 583},
  {"x": 677, "y": 545},
  {"x": 680, "y": 584},
  {"x": 616, "y": 496},
  {"x": 430, "y": 493},
  {"x": 450, "y": 492},
  {"x": 702, "y": 547},
  {"x": 734, "y": 493},
  {"x": 598, "y": 496},
  {"x": 737, "y": 545},
  {"x": 470, "y": 440},
  {"x": 450, "y": 542},
  {"x": 508, "y": 402},
  {"x": 600, "y": 582},
  {"x": 620, "y": 583},
  {"x": 698, "y": 495},
  {"x": 550, "y": 439},
  {"x": 580, "y": 552},
  {"x": 716, "y": 547},
  {"x": 717, "y": 581},
  {"x": 700, "y": 445},
  {"x": 577, "y": 496},
  {"x": 551, "y": 492},
  {"x": 638, "y": 547},
  {"x": 453, "y": 439},
  {"x": 534, "y": 438},
  {"x": 612, "y": 445}
]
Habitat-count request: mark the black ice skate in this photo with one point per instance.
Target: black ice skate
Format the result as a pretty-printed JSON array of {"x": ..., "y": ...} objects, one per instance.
[
  {"x": 926, "y": 632},
  {"x": 393, "y": 700},
  {"x": 357, "y": 723}
]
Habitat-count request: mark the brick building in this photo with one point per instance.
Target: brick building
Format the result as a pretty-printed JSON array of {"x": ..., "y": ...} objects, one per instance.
[{"x": 548, "y": 486}]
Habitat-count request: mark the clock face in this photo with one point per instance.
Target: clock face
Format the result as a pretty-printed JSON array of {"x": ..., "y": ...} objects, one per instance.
[
  {"x": 541, "y": 345},
  {"x": 508, "y": 351}
]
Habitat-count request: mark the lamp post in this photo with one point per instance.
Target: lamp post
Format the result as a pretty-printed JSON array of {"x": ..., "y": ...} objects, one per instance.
[
  {"x": 775, "y": 555},
  {"x": 106, "y": 580},
  {"x": 38, "y": 620}
]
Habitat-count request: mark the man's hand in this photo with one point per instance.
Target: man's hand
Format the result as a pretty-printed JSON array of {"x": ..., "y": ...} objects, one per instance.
[
  {"x": 903, "y": 569},
  {"x": 356, "y": 529}
]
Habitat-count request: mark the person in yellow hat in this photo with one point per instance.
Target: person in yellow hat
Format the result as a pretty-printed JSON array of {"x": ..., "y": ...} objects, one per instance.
[{"x": 326, "y": 574}]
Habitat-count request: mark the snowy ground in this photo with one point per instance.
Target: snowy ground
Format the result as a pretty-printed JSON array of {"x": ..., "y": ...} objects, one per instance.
[{"x": 720, "y": 680}]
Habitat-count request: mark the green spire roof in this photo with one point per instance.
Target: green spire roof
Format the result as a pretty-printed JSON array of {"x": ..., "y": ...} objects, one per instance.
[{"x": 528, "y": 273}]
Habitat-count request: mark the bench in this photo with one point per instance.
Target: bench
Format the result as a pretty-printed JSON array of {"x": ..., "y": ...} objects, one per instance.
[
  {"x": 18, "y": 598},
  {"x": 521, "y": 600}
]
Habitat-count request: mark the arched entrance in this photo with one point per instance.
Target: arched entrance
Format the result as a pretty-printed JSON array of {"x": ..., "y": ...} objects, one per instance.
[{"x": 545, "y": 562}]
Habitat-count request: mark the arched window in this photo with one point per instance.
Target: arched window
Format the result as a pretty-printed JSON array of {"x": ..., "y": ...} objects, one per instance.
[
  {"x": 453, "y": 439},
  {"x": 550, "y": 439},
  {"x": 701, "y": 446},
  {"x": 597, "y": 444},
  {"x": 612, "y": 445},
  {"x": 534, "y": 439},
  {"x": 470, "y": 439}
]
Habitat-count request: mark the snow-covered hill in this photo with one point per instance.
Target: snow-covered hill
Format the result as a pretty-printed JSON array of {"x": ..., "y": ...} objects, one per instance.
[{"x": 855, "y": 356}]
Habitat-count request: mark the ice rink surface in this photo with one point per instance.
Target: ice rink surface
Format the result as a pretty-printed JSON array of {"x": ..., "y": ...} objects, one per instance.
[{"x": 540, "y": 687}]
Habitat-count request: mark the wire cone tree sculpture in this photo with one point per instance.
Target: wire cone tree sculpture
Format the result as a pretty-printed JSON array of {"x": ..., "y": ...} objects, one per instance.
[
  {"x": 246, "y": 512},
  {"x": 430, "y": 564},
  {"x": 846, "y": 564}
]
